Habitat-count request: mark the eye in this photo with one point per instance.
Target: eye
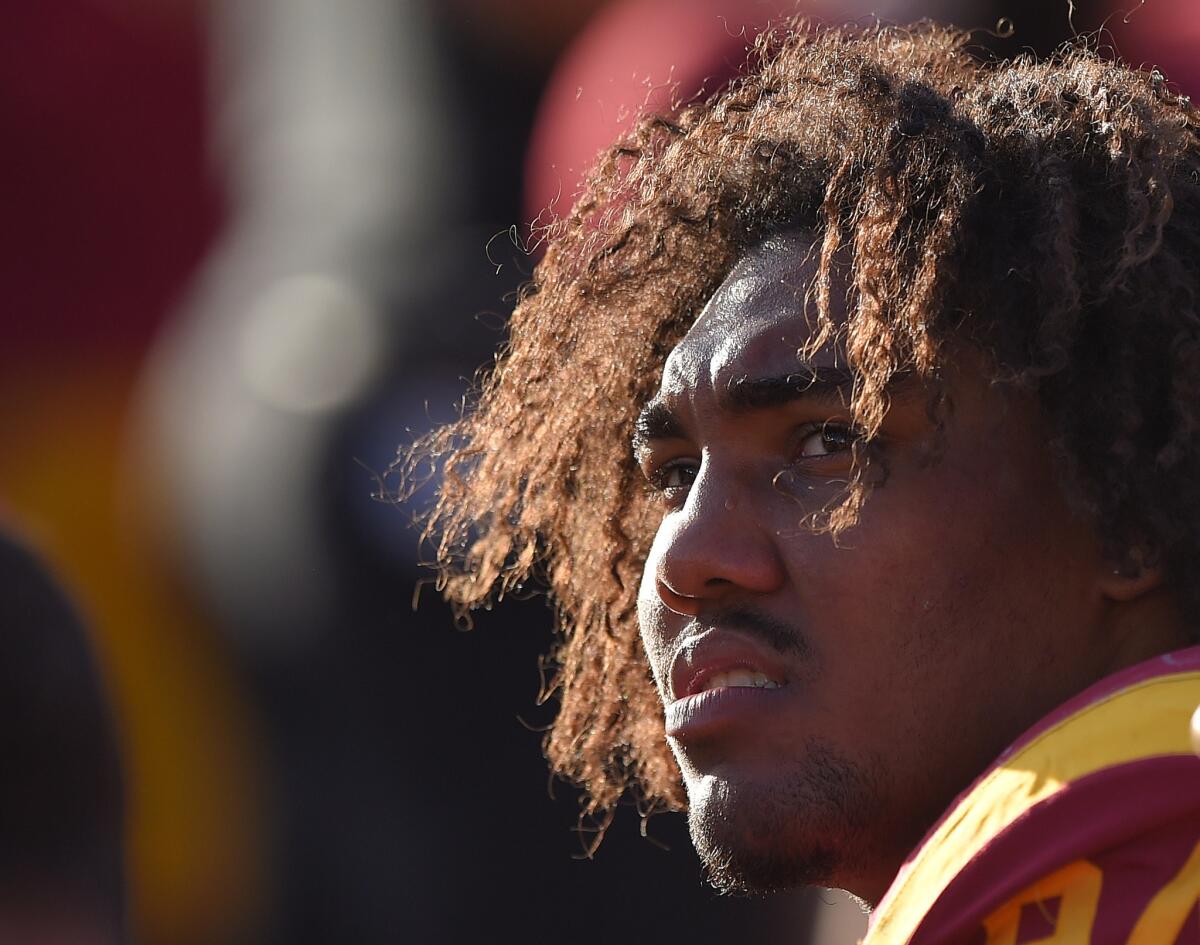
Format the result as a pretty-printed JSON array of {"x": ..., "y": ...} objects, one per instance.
[
  {"x": 826, "y": 439},
  {"x": 674, "y": 478}
]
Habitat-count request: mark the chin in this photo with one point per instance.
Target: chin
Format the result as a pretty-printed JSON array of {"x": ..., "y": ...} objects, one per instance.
[{"x": 807, "y": 825}]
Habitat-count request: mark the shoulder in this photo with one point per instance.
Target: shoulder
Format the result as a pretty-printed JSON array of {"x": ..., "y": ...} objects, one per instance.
[{"x": 1087, "y": 829}]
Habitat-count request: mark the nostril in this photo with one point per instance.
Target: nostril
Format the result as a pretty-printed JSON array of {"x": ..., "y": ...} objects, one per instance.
[
  {"x": 664, "y": 586},
  {"x": 683, "y": 604}
]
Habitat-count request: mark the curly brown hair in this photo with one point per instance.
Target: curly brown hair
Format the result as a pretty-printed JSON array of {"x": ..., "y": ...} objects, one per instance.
[{"x": 1048, "y": 212}]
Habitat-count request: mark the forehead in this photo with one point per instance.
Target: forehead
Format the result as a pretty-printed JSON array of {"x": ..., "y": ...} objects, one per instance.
[{"x": 757, "y": 320}]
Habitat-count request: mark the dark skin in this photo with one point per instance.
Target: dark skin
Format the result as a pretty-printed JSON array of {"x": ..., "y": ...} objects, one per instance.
[{"x": 827, "y": 700}]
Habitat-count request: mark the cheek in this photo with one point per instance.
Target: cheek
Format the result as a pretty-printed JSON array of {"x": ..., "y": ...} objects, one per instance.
[
  {"x": 652, "y": 617},
  {"x": 962, "y": 569},
  {"x": 939, "y": 560}
]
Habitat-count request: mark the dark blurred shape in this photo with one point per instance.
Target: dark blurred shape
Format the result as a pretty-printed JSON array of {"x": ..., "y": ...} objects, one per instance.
[
  {"x": 62, "y": 812},
  {"x": 533, "y": 31}
]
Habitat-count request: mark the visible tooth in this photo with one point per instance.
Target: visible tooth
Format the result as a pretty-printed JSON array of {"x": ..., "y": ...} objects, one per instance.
[
  {"x": 716, "y": 681},
  {"x": 741, "y": 677}
]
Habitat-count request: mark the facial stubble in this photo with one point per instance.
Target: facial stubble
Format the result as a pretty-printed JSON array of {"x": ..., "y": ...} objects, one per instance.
[{"x": 808, "y": 827}]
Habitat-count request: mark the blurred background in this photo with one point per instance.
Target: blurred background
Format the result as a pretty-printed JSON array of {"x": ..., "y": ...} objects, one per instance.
[{"x": 248, "y": 250}]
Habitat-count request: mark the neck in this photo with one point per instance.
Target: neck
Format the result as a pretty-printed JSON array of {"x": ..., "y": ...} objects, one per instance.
[
  {"x": 1143, "y": 628},
  {"x": 1132, "y": 631}
]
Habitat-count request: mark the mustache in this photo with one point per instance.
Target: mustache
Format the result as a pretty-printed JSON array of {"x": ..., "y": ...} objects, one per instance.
[{"x": 780, "y": 636}]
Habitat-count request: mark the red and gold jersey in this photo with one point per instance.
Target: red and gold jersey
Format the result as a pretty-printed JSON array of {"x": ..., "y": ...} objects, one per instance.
[{"x": 1086, "y": 831}]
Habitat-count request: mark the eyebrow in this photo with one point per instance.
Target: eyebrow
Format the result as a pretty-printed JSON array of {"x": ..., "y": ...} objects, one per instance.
[{"x": 657, "y": 421}]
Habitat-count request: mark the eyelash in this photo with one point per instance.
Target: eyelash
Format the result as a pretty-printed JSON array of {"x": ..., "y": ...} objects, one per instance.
[{"x": 657, "y": 478}]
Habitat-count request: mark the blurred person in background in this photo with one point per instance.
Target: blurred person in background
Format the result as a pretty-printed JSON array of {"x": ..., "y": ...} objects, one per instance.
[{"x": 851, "y": 421}]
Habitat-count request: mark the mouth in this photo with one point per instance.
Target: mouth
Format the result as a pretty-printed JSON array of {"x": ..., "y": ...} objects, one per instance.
[
  {"x": 722, "y": 680},
  {"x": 724, "y": 659},
  {"x": 741, "y": 677}
]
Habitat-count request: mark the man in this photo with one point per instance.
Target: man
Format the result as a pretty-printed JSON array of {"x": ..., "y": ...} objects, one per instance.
[{"x": 908, "y": 352}]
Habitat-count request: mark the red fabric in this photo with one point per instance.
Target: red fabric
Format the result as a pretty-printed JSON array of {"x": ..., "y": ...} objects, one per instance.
[
  {"x": 108, "y": 199},
  {"x": 1137, "y": 823}
]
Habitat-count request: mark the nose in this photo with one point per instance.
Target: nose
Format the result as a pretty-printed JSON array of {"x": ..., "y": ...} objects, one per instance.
[{"x": 716, "y": 548}]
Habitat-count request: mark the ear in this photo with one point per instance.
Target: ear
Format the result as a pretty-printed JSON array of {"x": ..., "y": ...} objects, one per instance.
[{"x": 1130, "y": 574}]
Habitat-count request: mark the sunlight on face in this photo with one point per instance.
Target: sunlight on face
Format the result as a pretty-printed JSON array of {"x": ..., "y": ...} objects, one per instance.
[{"x": 826, "y": 701}]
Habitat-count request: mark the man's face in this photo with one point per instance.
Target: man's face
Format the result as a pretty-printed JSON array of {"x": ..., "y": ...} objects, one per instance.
[{"x": 826, "y": 701}]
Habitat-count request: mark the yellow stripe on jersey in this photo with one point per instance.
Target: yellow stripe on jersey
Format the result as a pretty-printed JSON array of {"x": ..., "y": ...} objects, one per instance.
[{"x": 1147, "y": 719}]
